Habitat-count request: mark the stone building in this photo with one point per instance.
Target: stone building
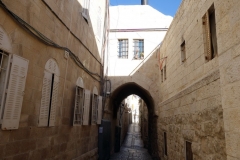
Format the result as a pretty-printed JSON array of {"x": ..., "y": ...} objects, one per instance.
[
  {"x": 51, "y": 56},
  {"x": 199, "y": 79},
  {"x": 192, "y": 96}
]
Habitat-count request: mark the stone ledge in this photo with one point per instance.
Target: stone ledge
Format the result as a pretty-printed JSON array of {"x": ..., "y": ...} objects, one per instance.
[{"x": 213, "y": 76}]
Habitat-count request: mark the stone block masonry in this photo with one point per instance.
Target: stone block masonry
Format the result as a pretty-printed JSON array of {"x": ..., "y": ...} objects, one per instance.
[{"x": 195, "y": 115}]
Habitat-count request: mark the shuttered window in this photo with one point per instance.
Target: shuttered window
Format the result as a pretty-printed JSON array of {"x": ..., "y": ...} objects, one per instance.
[
  {"x": 47, "y": 115},
  {"x": 4, "y": 61},
  {"x": 210, "y": 38},
  {"x": 86, "y": 110},
  {"x": 78, "y": 108},
  {"x": 99, "y": 110},
  {"x": 94, "y": 109},
  {"x": 13, "y": 97}
]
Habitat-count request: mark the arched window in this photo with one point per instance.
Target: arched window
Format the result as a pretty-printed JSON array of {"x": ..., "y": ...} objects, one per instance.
[
  {"x": 96, "y": 114},
  {"x": 79, "y": 101},
  {"x": 48, "y": 107}
]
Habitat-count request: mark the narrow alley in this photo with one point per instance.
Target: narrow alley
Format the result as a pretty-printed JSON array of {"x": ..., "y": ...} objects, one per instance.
[{"x": 132, "y": 148}]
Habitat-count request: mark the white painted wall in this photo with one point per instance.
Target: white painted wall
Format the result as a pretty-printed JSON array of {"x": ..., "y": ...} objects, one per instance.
[{"x": 133, "y": 17}]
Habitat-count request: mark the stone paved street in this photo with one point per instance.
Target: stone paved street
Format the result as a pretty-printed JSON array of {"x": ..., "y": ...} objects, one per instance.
[{"x": 132, "y": 148}]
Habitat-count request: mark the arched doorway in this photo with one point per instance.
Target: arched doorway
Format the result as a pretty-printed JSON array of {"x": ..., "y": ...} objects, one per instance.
[{"x": 116, "y": 99}]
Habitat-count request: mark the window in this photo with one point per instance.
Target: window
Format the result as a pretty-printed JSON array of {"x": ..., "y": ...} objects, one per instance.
[
  {"x": 161, "y": 75},
  {"x": 210, "y": 37},
  {"x": 138, "y": 49},
  {"x": 47, "y": 116},
  {"x": 165, "y": 72},
  {"x": 13, "y": 72},
  {"x": 189, "y": 154},
  {"x": 86, "y": 107},
  {"x": 79, "y": 99},
  {"x": 94, "y": 109},
  {"x": 85, "y": 10},
  {"x": 123, "y": 48},
  {"x": 99, "y": 111},
  {"x": 183, "y": 52},
  {"x": 165, "y": 143}
]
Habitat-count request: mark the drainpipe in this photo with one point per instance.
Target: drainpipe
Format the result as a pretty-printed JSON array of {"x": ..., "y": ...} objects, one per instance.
[{"x": 144, "y": 2}]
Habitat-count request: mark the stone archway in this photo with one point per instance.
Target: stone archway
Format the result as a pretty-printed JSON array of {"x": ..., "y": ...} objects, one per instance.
[{"x": 123, "y": 92}]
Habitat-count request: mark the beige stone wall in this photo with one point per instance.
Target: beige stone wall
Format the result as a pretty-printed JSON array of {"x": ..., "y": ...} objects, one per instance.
[
  {"x": 196, "y": 115},
  {"x": 187, "y": 25},
  {"x": 62, "y": 141}
]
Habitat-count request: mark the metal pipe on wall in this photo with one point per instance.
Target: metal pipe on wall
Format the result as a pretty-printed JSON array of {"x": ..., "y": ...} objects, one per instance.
[{"x": 144, "y": 2}]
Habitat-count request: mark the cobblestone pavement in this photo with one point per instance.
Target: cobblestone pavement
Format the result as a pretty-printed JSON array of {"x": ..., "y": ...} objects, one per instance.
[{"x": 132, "y": 148}]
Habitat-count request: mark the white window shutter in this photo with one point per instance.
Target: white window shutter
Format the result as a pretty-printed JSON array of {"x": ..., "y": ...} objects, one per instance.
[
  {"x": 15, "y": 92},
  {"x": 86, "y": 107},
  {"x": 45, "y": 101},
  {"x": 52, "y": 118},
  {"x": 99, "y": 114}
]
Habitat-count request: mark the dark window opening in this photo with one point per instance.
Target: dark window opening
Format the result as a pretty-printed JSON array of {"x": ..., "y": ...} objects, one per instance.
[
  {"x": 183, "y": 52},
  {"x": 50, "y": 102},
  {"x": 165, "y": 72},
  {"x": 189, "y": 154},
  {"x": 165, "y": 143}
]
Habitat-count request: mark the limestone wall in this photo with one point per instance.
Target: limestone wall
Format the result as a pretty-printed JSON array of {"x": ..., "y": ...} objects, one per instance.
[
  {"x": 195, "y": 115},
  {"x": 181, "y": 76},
  {"x": 63, "y": 141}
]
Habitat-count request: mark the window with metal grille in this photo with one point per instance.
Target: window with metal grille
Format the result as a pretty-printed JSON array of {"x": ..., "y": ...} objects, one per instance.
[
  {"x": 138, "y": 49},
  {"x": 165, "y": 143},
  {"x": 210, "y": 36},
  {"x": 189, "y": 154},
  {"x": 123, "y": 48},
  {"x": 183, "y": 52},
  {"x": 78, "y": 109},
  {"x": 94, "y": 109},
  {"x": 4, "y": 59},
  {"x": 12, "y": 85}
]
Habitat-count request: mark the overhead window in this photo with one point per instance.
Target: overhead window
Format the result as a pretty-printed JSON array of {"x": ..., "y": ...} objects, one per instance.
[
  {"x": 123, "y": 48},
  {"x": 138, "y": 48},
  {"x": 210, "y": 38},
  {"x": 47, "y": 116},
  {"x": 78, "y": 107},
  {"x": 13, "y": 72}
]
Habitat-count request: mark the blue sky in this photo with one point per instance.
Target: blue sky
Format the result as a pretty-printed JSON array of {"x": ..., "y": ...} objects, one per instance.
[{"x": 167, "y": 7}]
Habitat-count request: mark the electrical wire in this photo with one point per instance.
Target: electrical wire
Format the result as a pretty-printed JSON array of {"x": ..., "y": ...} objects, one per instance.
[{"x": 47, "y": 41}]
